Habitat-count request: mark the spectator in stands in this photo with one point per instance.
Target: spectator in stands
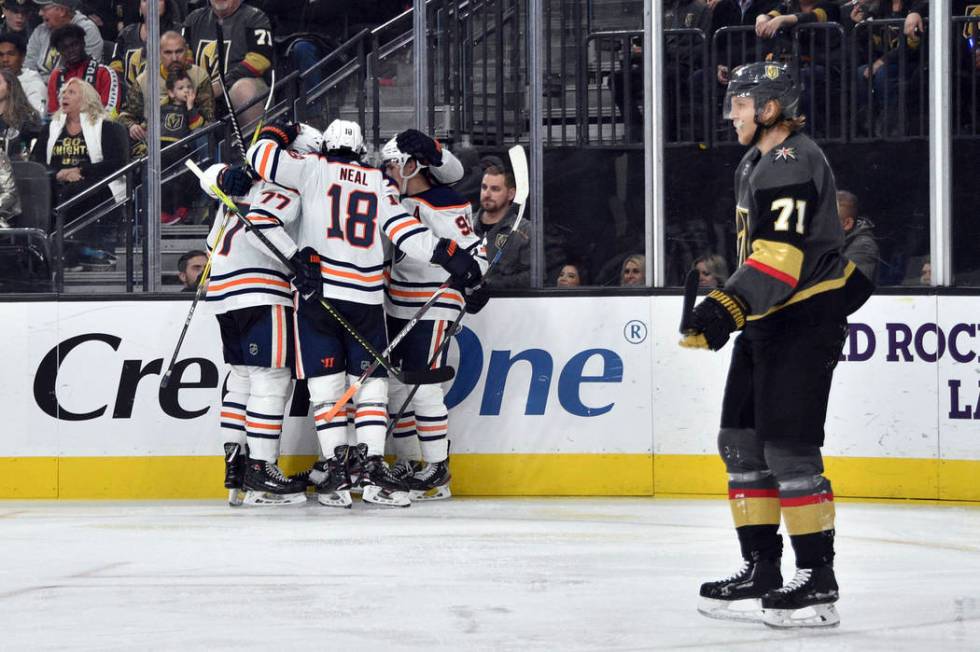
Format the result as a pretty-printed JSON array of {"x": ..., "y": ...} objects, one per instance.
[
  {"x": 633, "y": 272},
  {"x": 20, "y": 124},
  {"x": 129, "y": 54},
  {"x": 82, "y": 147},
  {"x": 178, "y": 118},
  {"x": 879, "y": 78},
  {"x": 9, "y": 198},
  {"x": 494, "y": 219},
  {"x": 17, "y": 18},
  {"x": 819, "y": 58},
  {"x": 305, "y": 31},
  {"x": 189, "y": 269},
  {"x": 859, "y": 240},
  {"x": 42, "y": 55},
  {"x": 75, "y": 63},
  {"x": 712, "y": 271},
  {"x": 682, "y": 58},
  {"x": 572, "y": 275},
  {"x": 925, "y": 275},
  {"x": 173, "y": 57},
  {"x": 13, "y": 48},
  {"x": 248, "y": 42},
  {"x": 107, "y": 15}
]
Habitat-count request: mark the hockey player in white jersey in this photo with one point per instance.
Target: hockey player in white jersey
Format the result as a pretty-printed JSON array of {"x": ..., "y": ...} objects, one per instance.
[
  {"x": 250, "y": 291},
  {"x": 422, "y": 429},
  {"x": 350, "y": 212}
]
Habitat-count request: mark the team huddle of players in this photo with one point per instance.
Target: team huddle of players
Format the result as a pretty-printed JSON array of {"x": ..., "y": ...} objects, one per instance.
[{"x": 366, "y": 247}]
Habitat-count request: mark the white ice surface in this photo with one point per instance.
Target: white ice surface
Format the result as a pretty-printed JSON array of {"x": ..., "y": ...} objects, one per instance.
[{"x": 467, "y": 574}]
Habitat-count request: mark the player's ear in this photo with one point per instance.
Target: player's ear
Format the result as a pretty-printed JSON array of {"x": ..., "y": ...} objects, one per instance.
[{"x": 770, "y": 112}]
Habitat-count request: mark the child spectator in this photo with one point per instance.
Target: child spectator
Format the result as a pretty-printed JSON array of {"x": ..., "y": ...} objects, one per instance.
[{"x": 178, "y": 118}]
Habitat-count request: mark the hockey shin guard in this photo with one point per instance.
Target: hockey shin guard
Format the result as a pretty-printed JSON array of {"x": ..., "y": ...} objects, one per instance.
[{"x": 808, "y": 510}]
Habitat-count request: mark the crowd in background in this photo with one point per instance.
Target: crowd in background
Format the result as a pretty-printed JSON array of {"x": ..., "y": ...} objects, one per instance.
[{"x": 74, "y": 84}]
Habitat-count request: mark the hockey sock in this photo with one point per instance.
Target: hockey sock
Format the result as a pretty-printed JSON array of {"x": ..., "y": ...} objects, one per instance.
[
  {"x": 233, "y": 408},
  {"x": 432, "y": 436},
  {"x": 371, "y": 421},
  {"x": 263, "y": 425},
  {"x": 808, "y": 510},
  {"x": 404, "y": 439},
  {"x": 330, "y": 433},
  {"x": 755, "y": 511}
]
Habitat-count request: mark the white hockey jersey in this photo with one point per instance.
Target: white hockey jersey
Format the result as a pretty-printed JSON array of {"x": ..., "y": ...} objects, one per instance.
[
  {"x": 243, "y": 272},
  {"x": 349, "y": 210},
  {"x": 410, "y": 283}
]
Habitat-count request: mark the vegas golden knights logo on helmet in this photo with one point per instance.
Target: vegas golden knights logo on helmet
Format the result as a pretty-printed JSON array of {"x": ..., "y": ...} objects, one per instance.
[{"x": 772, "y": 72}]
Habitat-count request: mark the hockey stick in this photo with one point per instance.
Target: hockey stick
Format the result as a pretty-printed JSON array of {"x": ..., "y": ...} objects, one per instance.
[
  {"x": 690, "y": 294},
  {"x": 236, "y": 129},
  {"x": 429, "y": 376},
  {"x": 265, "y": 110},
  {"x": 206, "y": 272},
  {"x": 518, "y": 163},
  {"x": 202, "y": 283}
]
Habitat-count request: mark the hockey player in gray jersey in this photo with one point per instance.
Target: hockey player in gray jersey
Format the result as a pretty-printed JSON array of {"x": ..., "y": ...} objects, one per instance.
[
  {"x": 790, "y": 297},
  {"x": 421, "y": 431}
]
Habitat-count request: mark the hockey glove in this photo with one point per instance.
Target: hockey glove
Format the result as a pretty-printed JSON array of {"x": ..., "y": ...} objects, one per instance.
[
  {"x": 284, "y": 133},
  {"x": 426, "y": 150},
  {"x": 713, "y": 320},
  {"x": 476, "y": 300},
  {"x": 235, "y": 181},
  {"x": 462, "y": 267},
  {"x": 305, "y": 265}
]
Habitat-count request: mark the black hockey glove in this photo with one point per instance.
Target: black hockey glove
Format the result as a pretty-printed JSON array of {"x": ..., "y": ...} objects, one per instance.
[
  {"x": 284, "y": 133},
  {"x": 713, "y": 320},
  {"x": 305, "y": 265},
  {"x": 426, "y": 150},
  {"x": 235, "y": 181},
  {"x": 462, "y": 267},
  {"x": 476, "y": 300}
]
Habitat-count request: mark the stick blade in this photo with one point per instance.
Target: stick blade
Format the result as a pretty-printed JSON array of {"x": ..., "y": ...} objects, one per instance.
[
  {"x": 429, "y": 376},
  {"x": 690, "y": 294},
  {"x": 518, "y": 163}
]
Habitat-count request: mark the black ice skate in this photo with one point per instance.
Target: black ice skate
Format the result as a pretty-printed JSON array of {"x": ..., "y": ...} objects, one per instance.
[
  {"x": 380, "y": 486},
  {"x": 430, "y": 483},
  {"x": 265, "y": 484},
  {"x": 738, "y": 597},
  {"x": 807, "y": 601},
  {"x": 405, "y": 468},
  {"x": 235, "y": 472},
  {"x": 331, "y": 480}
]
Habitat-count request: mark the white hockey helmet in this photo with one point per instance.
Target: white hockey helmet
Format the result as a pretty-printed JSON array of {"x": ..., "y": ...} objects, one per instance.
[
  {"x": 343, "y": 134},
  {"x": 309, "y": 140},
  {"x": 392, "y": 155}
]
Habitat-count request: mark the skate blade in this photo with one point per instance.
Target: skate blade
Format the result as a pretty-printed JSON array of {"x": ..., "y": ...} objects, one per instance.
[
  {"x": 335, "y": 499},
  {"x": 436, "y": 493},
  {"x": 264, "y": 498},
  {"x": 378, "y": 496},
  {"x": 818, "y": 615},
  {"x": 235, "y": 497},
  {"x": 746, "y": 611}
]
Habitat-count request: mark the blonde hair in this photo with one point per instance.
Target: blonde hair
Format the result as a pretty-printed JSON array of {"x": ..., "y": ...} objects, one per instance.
[
  {"x": 91, "y": 102},
  {"x": 641, "y": 262},
  {"x": 716, "y": 266}
]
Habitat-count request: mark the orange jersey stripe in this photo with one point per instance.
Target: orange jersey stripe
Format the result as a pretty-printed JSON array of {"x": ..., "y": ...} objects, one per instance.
[
  {"x": 407, "y": 224},
  {"x": 232, "y": 415},
  {"x": 371, "y": 413},
  {"x": 265, "y": 158},
  {"x": 217, "y": 287},
  {"x": 374, "y": 278},
  {"x": 424, "y": 294},
  {"x": 431, "y": 428}
]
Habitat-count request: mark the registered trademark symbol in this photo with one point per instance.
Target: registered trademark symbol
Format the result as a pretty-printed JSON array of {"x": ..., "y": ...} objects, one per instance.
[{"x": 635, "y": 331}]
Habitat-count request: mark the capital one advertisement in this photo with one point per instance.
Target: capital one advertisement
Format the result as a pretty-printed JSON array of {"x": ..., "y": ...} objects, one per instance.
[{"x": 534, "y": 375}]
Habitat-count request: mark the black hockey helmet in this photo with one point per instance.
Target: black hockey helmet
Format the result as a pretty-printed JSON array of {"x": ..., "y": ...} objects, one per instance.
[{"x": 764, "y": 81}]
